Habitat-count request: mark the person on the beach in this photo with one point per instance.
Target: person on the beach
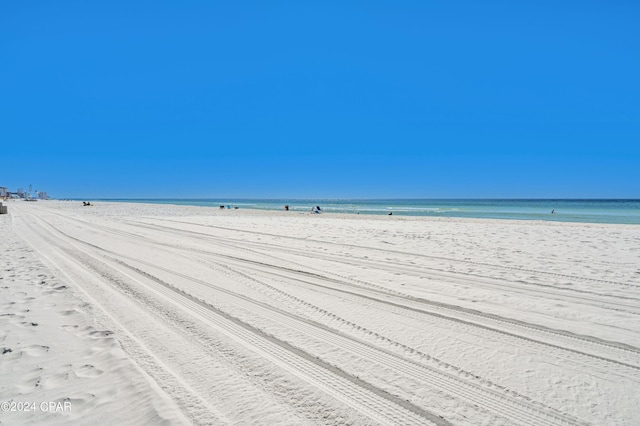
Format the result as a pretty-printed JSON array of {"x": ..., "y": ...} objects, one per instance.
[{"x": 286, "y": 207}]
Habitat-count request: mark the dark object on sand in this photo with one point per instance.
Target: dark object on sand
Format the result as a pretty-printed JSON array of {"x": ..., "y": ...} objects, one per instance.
[
  {"x": 86, "y": 203},
  {"x": 286, "y": 207},
  {"x": 390, "y": 213}
]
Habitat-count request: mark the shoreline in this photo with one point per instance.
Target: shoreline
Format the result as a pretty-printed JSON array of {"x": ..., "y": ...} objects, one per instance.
[
  {"x": 623, "y": 211},
  {"x": 214, "y": 211}
]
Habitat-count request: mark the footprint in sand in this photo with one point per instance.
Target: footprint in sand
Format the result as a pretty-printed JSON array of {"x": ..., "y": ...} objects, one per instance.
[
  {"x": 100, "y": 334},
  {"x": 31, "y": 379},
  {"x": 69, "y": 327},
  {"x": 36, "y": 350},
  {"x": 13, "y": 318},
  {"x": 69, "y": 312},
  {"x": 85, "y": 402},
  {"x": 102, "y": 344},
  {"x": 58, "y": 379},
  {"x": 56, "y": 289},
  {"x": 7, "y": 355},
  {"x": 88, "y": 371},
  {"x": 101, "y": 337}
]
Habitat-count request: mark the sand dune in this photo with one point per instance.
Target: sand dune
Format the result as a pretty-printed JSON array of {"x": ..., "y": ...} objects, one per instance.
[{"x": 157, "y": 314}]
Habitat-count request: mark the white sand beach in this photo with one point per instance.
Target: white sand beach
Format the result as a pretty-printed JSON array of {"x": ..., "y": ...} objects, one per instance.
[{"x": 156, "y": 314}]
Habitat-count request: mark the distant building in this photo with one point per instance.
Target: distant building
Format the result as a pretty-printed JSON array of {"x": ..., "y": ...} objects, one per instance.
[
  {"x": 43, "y": 195},
  {"x": 4, "y": 192},
  {"x": 21, "y": 193}
]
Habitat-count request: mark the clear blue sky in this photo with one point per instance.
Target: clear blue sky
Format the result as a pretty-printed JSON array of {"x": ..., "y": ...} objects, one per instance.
[{"x": 425, "y": 99}]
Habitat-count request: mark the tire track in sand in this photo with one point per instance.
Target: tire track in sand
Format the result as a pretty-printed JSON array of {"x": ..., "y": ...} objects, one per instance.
[{"x": 369, "y": 400}]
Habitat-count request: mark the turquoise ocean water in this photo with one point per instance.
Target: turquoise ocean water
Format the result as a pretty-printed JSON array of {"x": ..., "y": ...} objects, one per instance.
[{"x": 590, "y": 211}]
